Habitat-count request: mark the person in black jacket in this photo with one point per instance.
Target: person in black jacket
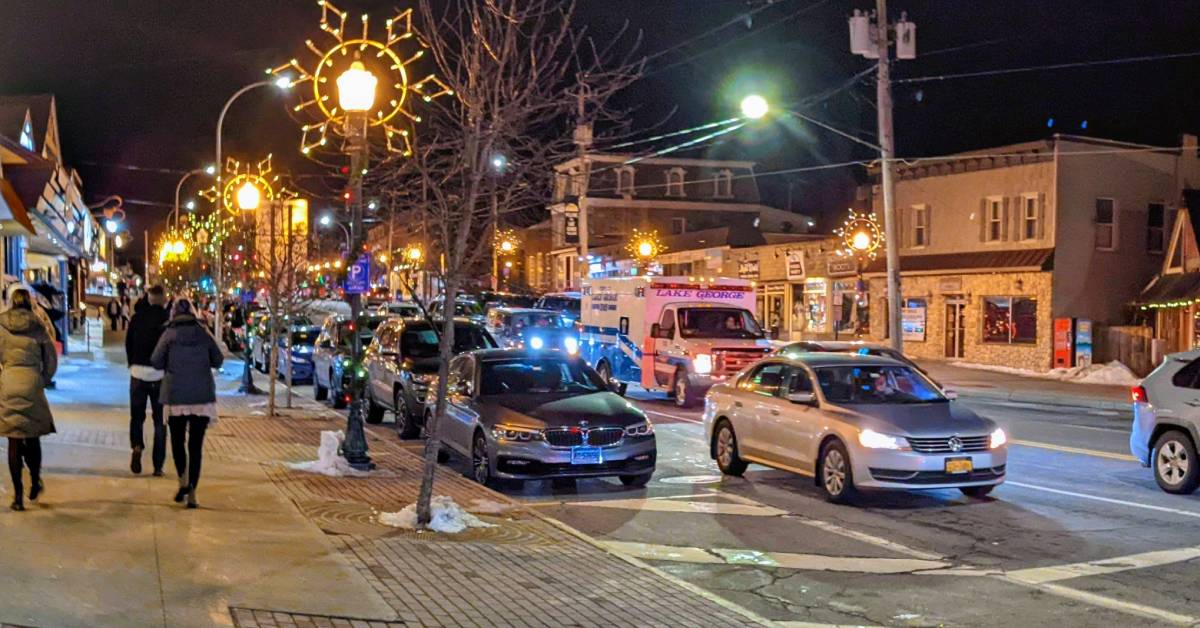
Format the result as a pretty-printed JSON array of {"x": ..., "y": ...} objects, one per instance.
[
  {"x": 187, "y": 353},
  {"x": 148, "y": 323}
]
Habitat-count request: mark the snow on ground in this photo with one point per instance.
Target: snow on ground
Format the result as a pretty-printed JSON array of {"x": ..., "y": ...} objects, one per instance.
[
  {"x": 1112, "y": 374},
  {"x": 329, "y": 461},
  {"x": 448, "y": 517}
]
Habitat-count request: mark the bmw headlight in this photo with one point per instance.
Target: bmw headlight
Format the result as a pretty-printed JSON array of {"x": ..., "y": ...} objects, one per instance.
[
  {"x": 644, "y": 428},
  {"x": 874, "y": 440},
  {"x": 572, "y": 344},
  {"x": 998, "y": 439},
  {"x": 702, "y": 363},
  {"x": 515, "y": 433},
  {"x": 536, "y": 342}
]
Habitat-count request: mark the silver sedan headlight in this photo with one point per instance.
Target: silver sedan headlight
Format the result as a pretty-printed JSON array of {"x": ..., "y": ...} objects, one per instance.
[{"x": 874, "y": 440}]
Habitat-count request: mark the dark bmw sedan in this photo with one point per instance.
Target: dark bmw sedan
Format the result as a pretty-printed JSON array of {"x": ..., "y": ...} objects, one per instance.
[{"x": 524, "y": 415}]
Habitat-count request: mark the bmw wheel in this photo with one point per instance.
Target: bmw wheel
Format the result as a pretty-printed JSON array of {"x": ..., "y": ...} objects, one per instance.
[
  {"x": 481, "y": 465},
  {"x": 1176, "y": 468},
  {"x": 726, "y": 450},
  {"x": 836, "y": 476}
]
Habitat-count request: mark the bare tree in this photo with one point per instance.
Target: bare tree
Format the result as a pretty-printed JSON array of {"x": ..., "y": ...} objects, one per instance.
[{"x": 522, "y": 75}]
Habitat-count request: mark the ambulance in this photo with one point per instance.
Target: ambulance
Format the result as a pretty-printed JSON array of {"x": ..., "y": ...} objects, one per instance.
[{"x": 678, "y": 335}]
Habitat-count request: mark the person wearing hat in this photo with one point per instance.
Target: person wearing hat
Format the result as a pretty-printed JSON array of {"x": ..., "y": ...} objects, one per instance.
[{"x": 28, "y": 360}]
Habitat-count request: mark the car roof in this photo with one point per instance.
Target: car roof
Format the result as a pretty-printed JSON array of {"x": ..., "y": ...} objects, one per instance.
[
  {"x": 564, "y": 295},
  {"x": 524, "y": 310},
  {"x": 821, "y": 359},
  {"x": 415, "y": 320},
  {"x": 837, "y": 345}
]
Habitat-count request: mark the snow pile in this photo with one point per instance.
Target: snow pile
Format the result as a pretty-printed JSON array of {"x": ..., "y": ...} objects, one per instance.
[
  {"x": 329, "y": 461},
  {"x": 447, "y": 517},
  {"x": 1112, "y": 374}
]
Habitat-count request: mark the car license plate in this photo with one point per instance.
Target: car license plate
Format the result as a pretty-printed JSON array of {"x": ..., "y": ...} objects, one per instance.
[
  {"x": 586, "y": 455},
  {"x": 959, "y": 465}
]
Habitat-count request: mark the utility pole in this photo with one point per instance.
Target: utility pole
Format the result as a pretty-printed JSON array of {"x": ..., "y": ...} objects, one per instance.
[
  {"x": 583, "y": 141},
  {"x": 876, "y": 45}
]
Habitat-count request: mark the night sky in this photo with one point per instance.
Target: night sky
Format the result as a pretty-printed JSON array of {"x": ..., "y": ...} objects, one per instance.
[{"x": 140, "y": 82}]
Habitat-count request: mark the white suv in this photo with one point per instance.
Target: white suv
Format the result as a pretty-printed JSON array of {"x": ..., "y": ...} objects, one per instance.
[{"x": 1166, "y": 413}]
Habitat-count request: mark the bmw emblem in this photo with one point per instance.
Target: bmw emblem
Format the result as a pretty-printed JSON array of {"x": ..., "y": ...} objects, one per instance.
[{"x": 955, "y": 444}]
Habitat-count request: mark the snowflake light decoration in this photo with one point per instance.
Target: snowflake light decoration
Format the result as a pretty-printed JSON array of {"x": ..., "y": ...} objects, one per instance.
[
  {"x": 861, "y": 236},
  {"x": 391, "y": 112}
]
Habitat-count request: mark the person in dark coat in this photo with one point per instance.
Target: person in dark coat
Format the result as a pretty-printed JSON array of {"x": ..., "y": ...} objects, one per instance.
[
  {"x": 187, "y": 353},
  {"x": 113, "y": 310},
  {"x": 28, "y": 361},
  {"x": 148, "y": 323}
]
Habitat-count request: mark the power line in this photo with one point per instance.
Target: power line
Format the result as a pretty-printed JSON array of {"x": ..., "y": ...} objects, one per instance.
[
  {"x": 739, "y": 19},
  {"x": 1053, "y": 66}
]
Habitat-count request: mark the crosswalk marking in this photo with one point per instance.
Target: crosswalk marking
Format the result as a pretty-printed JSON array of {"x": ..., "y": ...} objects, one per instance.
[
  {"x": 707, "y": 508},
  {"x": 1041, "y": 575},
  {"x": 787, "y": 560}
]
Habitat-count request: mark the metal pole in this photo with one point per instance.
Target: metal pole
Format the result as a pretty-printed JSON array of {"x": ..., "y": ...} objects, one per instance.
[
  {"x": 883, "y": 94},
  {"x": 146, "y": 248},
  {"x": 495, "y": 242},
  {"x": 354, "y": 449}
]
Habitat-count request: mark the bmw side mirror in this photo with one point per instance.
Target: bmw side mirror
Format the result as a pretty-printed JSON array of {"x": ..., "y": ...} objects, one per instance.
[
  {"x": 806, "y": 398},
  {"x": 617, "y": 387}
]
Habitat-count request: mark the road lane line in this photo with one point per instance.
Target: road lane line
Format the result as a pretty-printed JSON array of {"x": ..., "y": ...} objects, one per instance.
[
  {"x": 707, "y": 508},
  {"x": 1075, "y": 450},
  {"x": 1107, "y": 500},
  {"x": 674, "y": 416},
  {"x": 1113, "y": 604},
  {"x": 1043, "y": 575},
  {"x": 786, "y": 560}
]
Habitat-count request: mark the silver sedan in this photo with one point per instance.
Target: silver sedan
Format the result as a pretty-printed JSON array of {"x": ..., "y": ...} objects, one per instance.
[{"x": 852, "y": 422}]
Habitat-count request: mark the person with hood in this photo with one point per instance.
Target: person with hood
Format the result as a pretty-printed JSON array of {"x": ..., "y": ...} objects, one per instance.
[
  {"x": 148, "y": 323},
  {"x": 187, "y": 353},
  {"x": 113, "y": 310},
  {"x": 28, "y": 361}
]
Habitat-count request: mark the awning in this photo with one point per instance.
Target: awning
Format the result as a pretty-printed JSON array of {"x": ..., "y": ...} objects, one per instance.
[
  {"x": 1171, "y": 290},
  {"x": 1033, "y": 260},
  {"x": 14, "y": 219}
]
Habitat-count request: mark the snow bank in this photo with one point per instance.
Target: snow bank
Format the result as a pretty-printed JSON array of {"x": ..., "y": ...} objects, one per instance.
[
  {"x": 1112, "y": 374},
  {"x": 448, "y": 517},
  {"x": 329, "y": 461}
]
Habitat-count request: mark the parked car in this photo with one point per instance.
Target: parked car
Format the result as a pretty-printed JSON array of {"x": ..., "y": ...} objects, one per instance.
[
  {"x": 401, "y": 363},
  {"x": 333, "y": 352},
  {"x": 852, "y": 422},
  {"x": 403, "y": 309},
  {"x": 566, "y": 303},
  {"x": 520, "y": 414},
  {"x": 849, "y": 346},
  {"x": 302, "y": 340},
  {"x": 260, "y": 339},
  {"x": 464, "y": 307},
  {"x": 1166, "y": 428},
  {"x": 256, "y": 335},
  {"x": 534, "y": 329},
  {"x": 491, "y": 299}
]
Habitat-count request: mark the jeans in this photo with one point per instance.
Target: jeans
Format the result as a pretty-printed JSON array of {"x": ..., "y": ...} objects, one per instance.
[
  {"x": 141, "y": 391},
  {"x": 187, "y": 445}
]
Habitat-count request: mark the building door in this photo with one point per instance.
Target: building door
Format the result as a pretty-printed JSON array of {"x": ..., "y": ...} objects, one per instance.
[
  {"x": 776, "y": 311},
  {"x": 956, "y": 328}
]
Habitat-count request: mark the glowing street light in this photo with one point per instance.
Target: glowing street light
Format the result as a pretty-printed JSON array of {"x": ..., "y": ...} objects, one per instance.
[
  {"x": 210, "y": 170},
  {"x": 356, "y": 88},
  {"x": 754, "y": 107},
  {"x": 499, "y": 162},
  {"x": 248, "y": 197},
  {"x": 644, "y": 245},
  {"x": 860, "y": 241},
  {"x": 111, "y": 225},
  {"x": 645, "y": 249},
  {"x": 326, "y": 220},
  {"x": 190, "y": 205},
  {"x": 414, "y": 253}
]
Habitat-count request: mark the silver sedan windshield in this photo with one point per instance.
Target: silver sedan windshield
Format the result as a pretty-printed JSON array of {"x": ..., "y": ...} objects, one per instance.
[{"x": 876, "y": 384}]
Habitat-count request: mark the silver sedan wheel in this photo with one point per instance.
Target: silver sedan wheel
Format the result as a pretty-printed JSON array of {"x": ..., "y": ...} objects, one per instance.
[
  {"x": 1172, "y": 462},
  {"x": 833, "y": 472},
  {"x": 725, "y": 446}
]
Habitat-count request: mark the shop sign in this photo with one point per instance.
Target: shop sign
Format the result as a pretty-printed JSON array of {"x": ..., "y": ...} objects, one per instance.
[
  {"x": 748, "y": 269},
  {"x": 841, "y": 266},
  {"x": 1063, "y": 340},
  {"x": 912, "y": 323},
  {"x": 571, "y": 227},
  {"x": 815, "y": 286},
  {"x": 950, "y": 285},
  {"x": 795, "y": 264}
]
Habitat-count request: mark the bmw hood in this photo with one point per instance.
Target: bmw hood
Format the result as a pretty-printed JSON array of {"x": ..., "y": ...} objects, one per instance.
[
  {"x": 549, "y": 410},
  {"x": 918, "y": 420}
]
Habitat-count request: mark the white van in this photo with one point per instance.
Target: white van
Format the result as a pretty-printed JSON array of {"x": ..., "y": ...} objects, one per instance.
[{"x": 678, "y": 335}]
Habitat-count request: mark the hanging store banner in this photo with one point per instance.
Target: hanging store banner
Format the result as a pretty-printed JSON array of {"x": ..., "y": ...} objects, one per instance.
[{"x": 795, "y": 264}]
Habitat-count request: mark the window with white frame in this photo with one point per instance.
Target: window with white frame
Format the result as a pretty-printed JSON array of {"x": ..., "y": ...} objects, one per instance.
[
  {"x": 1029, "y": 217},
  {"x": 675, "y": 182},
  {"x": 625, "y": 181},
  {"x": 678, "y": 225},
  {"x": 723, "y": 184},
  {"x": 1156, "y": 215},
  {"x": 994, "y": 217},
  {"x": 1106, "y": 224},
  {"x": 920, "y": 225}
]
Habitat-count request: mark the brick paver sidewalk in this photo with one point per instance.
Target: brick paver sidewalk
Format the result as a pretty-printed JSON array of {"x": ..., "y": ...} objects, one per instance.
[{"x": 525, "y": 571}]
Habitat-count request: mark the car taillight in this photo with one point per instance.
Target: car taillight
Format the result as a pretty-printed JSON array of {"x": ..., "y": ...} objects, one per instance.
[{"x": 1138, "y": 393}]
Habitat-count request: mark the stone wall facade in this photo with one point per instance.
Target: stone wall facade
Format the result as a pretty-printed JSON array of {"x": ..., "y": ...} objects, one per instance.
[{"x": 939, "y": 291}]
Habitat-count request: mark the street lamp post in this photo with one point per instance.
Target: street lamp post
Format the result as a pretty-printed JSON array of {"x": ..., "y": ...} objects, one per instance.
[
  {"x": 356, "y": 95},
  {"x": 179, "y": 188},
  {"x": 248, "y": 201},
  {"x": 281, "y": 82}
]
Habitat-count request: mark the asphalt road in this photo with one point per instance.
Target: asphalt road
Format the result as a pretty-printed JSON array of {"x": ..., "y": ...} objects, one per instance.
[{"x": 1079, "y": 535}]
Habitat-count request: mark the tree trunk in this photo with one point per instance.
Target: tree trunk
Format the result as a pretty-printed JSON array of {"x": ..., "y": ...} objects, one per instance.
[
  {"x": 273, "y": 367},
  {"x": 433, "y": 440}
]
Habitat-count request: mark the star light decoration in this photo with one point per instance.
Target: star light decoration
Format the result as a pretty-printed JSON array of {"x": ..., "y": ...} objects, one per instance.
[
  {"x": 861, "y": 236},
  {"x": 381, "y": 57},
  {"x": 644, "y": 245},
  {"x": 506, "y": 242}
]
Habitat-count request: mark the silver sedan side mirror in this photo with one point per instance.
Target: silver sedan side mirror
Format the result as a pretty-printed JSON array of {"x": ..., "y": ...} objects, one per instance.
[{"x": 809, "y": 398}]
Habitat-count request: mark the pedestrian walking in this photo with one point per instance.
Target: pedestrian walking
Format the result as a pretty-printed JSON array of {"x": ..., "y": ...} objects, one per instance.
[
  {"x": 126, "y": 312},
  {"x": 147, "y": 325},
  {"x": 187, "y": 353},
  {"x": 28, "y": 361},
  {"x": 113, "y": 310}
]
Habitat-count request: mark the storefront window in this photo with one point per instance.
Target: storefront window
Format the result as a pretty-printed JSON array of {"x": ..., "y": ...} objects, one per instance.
[
  {"x": 1010, "y": 320},
  {"x": 850, "y": 305},
  {"x": 816, "y": 304}
]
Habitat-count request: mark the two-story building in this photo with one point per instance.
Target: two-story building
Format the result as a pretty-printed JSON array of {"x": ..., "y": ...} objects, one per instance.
[
  {"x": 671, "y": 196},
  {"x": 996, "y": 244}
]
